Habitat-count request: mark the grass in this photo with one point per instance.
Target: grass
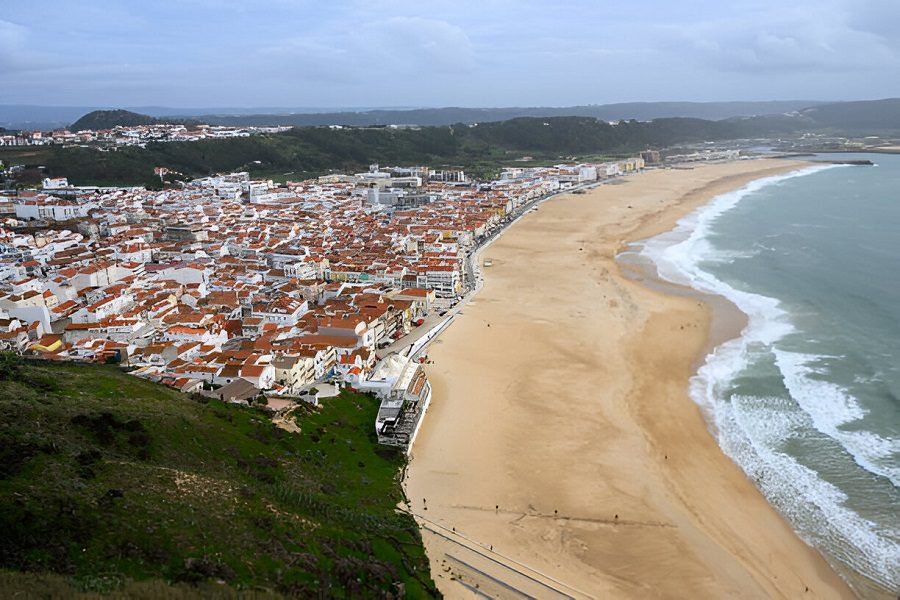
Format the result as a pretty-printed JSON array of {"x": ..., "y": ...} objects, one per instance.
[{"x": 109, "y": 483}]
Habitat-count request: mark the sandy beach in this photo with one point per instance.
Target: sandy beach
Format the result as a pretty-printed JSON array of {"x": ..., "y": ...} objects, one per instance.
[{"x": 561, "y": 455}]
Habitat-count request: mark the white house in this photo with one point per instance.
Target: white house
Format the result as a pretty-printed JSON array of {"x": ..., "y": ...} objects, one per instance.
[
  {"x": 106, "y": 307},
  {"x": 262, "y": 376},
  {"x": 294, "y": 371},
  {"x": 285, "y": 311},
  {"x": 55, "y": 183},
  {"x": 51, "y": 209}
]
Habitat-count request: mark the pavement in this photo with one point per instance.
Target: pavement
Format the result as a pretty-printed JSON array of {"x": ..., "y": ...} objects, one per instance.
[
  {"x": 431, "y": 321},
  {"x": 486, "y": 573}
]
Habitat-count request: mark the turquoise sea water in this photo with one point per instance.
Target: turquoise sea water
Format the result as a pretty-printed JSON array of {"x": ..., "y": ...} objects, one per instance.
[{"x": 807, "y": 400}]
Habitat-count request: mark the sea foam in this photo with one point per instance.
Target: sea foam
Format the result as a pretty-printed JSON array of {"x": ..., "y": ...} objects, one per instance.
[
  {"x": 830, "y": 407},
  {"x": 750, "y": 429}
]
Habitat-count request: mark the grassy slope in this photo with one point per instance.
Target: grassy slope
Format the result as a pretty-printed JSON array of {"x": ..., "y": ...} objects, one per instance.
[{"x": 106, "y": 480}]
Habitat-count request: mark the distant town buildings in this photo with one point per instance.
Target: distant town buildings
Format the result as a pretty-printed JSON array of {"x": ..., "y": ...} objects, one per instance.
[{"x": 138, "y": 135}]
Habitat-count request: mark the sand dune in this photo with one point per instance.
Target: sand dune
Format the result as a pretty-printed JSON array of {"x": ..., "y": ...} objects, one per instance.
[{"x": 561, "y": 444}]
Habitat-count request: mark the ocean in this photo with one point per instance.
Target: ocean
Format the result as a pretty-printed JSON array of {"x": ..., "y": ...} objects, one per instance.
[{"x": 807, "y": 399}]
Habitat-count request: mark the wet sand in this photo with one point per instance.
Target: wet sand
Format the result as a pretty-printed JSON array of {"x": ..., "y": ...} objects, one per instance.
[{"x": 561, "y": 455}]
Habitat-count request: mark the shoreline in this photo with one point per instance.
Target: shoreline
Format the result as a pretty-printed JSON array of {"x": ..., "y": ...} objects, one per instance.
[
  {"x": 732, "y": 322},
  {"x": 579, "y": 457},
  {"x": 727, "y": 321}
]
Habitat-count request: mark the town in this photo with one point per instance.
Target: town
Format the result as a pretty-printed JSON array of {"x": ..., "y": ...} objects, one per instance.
[
  {"x": 248, "y": 291},
  {"x": 137, "y": 135}
]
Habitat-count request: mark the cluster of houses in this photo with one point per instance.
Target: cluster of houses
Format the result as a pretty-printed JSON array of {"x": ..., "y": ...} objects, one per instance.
[
  {"x": 240, "y": 287},
  {"x": 135, "y": 135}
]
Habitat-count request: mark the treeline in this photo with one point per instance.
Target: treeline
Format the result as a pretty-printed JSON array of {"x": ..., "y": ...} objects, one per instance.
[{"x": 311, "y": 151}]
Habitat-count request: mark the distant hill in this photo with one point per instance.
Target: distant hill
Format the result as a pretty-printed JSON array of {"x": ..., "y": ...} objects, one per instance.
[
  {"x": 112, "y": 484},
  {"x": 107, "y": 119},
  {"x": 861, "y": 114},
  {"x": 642, "y": 111},
  {"x": 55, "y": 117},
  {"x": 873, "y": 116}
]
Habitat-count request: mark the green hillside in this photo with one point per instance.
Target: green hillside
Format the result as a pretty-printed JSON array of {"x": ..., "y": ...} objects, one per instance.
[
  {"x": 309, "y": 151},
  {"x": 480, "y": 149},
  {"x": 112, "y": 484}
]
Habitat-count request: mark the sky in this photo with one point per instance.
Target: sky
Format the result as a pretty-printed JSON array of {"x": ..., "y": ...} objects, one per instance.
[{"x": 404, "y": 53}]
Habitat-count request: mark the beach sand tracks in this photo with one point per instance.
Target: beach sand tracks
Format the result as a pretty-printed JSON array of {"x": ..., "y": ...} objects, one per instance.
[
  {"x": 533, "y": 513},
  {"x": 551, "y": 407}
]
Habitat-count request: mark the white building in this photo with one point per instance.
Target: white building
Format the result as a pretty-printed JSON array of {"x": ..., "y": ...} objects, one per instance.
[
  {"x": 55, "y": 183},
  {"x": 587, "y": 173},
  {"x": 51, "y": 209},
  {"x": 444, "y": 280},
  {"x": 285, "y": 311},
  {"x": 104, "y": 308}
]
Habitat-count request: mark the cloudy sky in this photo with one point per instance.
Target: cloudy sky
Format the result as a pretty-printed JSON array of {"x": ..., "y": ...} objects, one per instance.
[{"x": 333, "y": 53}]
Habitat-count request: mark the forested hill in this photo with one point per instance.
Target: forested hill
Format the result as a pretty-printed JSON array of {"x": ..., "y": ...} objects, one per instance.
[
  {"x": 480, "y": 148},
  {"x": 308, "y": 151}
]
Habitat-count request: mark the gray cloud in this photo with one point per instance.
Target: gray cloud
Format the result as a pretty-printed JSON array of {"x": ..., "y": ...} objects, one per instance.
[
  {"x": 443, "y": 52},
  {"x": 877, "y": 17},
  {"x": 806, "y": 39},
  {"x": 13, "y": 52},
  {"x": 378, "y": 50}
]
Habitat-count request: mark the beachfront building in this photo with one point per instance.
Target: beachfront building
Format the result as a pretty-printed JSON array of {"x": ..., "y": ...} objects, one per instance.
[
  {"x": 631, "y": 165},
  {"x": 405, "y": 394},
  {"x": 444, "y": 279}
]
